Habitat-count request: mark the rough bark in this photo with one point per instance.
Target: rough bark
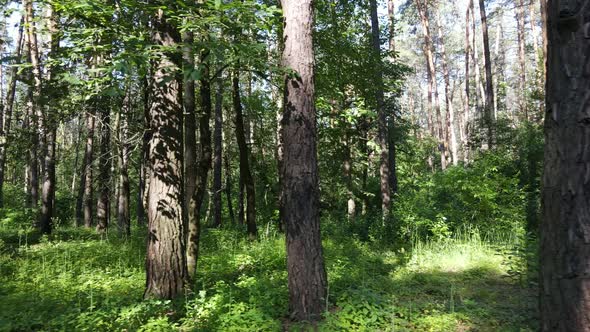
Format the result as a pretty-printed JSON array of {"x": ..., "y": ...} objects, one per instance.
[
  {"x": 218, "y": 151},
  {"x": 166, "y": 269},
  {"x": 245, "y": 172},
  {"x": 204, "y": 164},
  {"x": 565, "y": 227},
  {"x": 489, "y": 91},
  {"x": 382, "y": 128},
  {"x": 305, "y": 263}
]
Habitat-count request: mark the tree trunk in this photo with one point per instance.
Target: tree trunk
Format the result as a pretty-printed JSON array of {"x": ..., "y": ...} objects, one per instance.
[
  {"x": 228, "y": 188},
  {"x": 144, "y": 156},
  {"x": 565, "y": 228},
  {"x": 190, "y": 153},
  {"x": 8, "y": 110},
  {"x": 466, "y": 110},
  {"x": 87, "y": 180},
  {"x": 218, "y": 152},
  {"x": 521, "y": 95},
  {"x": 204, "y": 164},
  {"x": 123, "y": 216},
  {"x": 391, "y": 123},
  {"x": 382, "y": 128},
  {"x": 104, "y": 169},
  {"x": 50, "y": 128},
  {"x": 190, "y": 142},
  {"x": 433, "y": 100},
  {"x": 166, "y": 269},
  {"x": 450, "y": 136},
  {"x": 245, "y": 172},
  {"x": 305, "y": 262},
  {"x": 34, "y": 103},
  {"x": 489, "y": 92}
]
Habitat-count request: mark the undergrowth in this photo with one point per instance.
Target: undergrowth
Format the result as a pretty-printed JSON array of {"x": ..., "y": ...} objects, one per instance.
[{"x": 75, "y": 280}]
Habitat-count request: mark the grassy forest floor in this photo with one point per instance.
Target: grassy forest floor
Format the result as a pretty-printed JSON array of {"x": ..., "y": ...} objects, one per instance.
[{"x": 76, "y": 281}]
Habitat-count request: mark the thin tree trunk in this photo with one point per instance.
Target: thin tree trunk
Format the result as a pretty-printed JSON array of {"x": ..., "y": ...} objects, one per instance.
[
  {"x": 5, "y": 125},
  {"x": 382, "y": 128},
  {"x": 204, "y": 163},
  {"x": 433, "y": 100},
  {"x": 305, "y": 262},
  {"x": 88, "y": 173},
  {"x": 50, "y": 128},
  {"x": 466, "y": 111},
  {"x": 166, "y": 268},
  {"x": 123, "y": 215},
  {"x": 190, "y": 154},
  {"x": 565, "y": 228},
  {"x": 228, "y": 188},
  {"x": 34, "y": 98},
  {"x": 450, "y": 137},
  {"x": 391, "y": 123},
  {"x": 218, "y": 152},
  {"x": 245, "y": 172},
  {"x": 104, "y": 169},
  {"x": 489, "y": 92},
  {"x": 520, "y": 25},
  {"x": 144, "y": 156}
]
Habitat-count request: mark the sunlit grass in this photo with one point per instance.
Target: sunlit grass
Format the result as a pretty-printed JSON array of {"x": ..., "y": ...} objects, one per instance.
[{"x": 74, "y": 280}]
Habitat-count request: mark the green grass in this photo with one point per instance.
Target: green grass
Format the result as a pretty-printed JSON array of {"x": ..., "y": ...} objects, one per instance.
[{"x": 76, "y": 281}]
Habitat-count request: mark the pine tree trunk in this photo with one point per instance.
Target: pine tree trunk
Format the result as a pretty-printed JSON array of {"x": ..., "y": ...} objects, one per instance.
[
  {"x": 190, "y": 210},
  {"x": 87, "y": 179},
  {"x": 450, "y": 136},
  {"x": 166, "y": 269},
  {"x": 489, "y": 91},
  {"x": 5, "y": 125},
  {"x": 467, "y": 107},
  {"x": 33, "y": 104},
  {"x": 204, "y": 165},
  {"x": 382, "y": 128},
  {"x": 218, "y": 152},
  {"x": 104, "y": 169},
  {"x": 305, "y": 263},
  {"x": 245, "y": 172},
  {"x": 521, "y": 94},
  {"x": 50, "y": 128},
  {"x": 565, "y": 228},
  {"x": 433, "y": 100},
  {"x": 190, "y": 122},
  {"x": 123, "y": 215}
]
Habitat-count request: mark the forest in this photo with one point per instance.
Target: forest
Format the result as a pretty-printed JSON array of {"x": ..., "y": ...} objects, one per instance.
[{"x": 294, "y": 165}]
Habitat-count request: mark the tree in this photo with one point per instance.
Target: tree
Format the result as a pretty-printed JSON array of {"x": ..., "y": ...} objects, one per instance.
[
  {"x": 5, "y": 124},
  {"x": 300, "y": 195},
  {"x": 245, "y": 173},
  {"x": 166, "y": 269},
  {"x": 564, "y": 295},
  {"x": 217, "y": 151},
  {"x": 382, "y": 131},
  {"x": 489, "y": 91},
  {"x": 123, "y": 199}
]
